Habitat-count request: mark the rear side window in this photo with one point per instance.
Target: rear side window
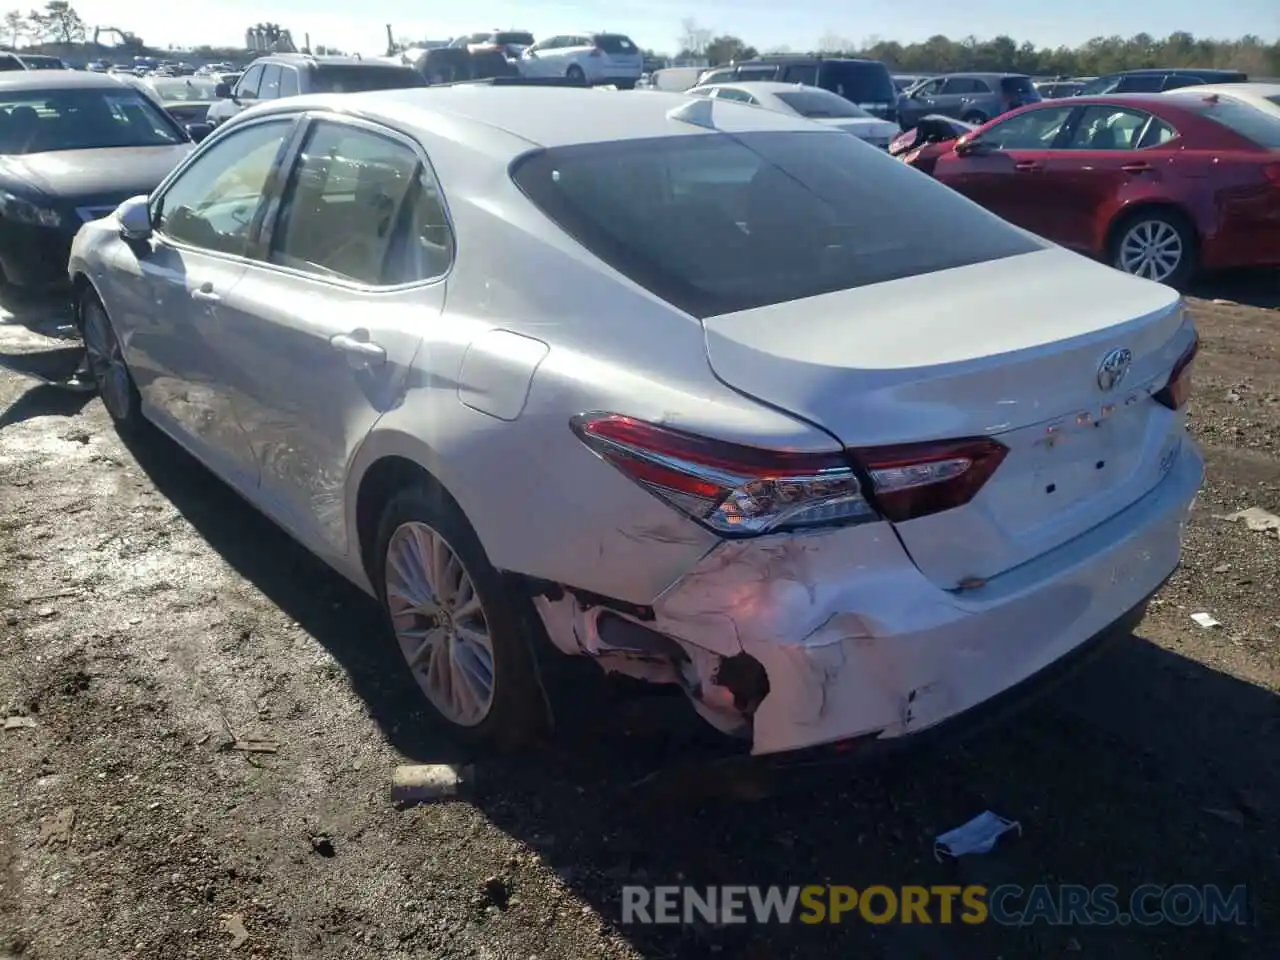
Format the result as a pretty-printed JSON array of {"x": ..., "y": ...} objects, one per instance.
[
  {"x": 354, "y": 78},
  {"x": 859, "y": 82},
  {"x": 614, "y": 43},
  {"x": 806, "y": 73},
  {"x": 1249, "y": 122},
  {"x": 713, "y": 224},
  {"x": 820, "y": 103},
  {"x": 1141, "y": 83},
  {"x": 1018, "y": 87},
  {"x": 361, "y": 207}
]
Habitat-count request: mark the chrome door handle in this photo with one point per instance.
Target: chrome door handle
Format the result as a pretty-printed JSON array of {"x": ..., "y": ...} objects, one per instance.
[{"x": 364, "y": 349}]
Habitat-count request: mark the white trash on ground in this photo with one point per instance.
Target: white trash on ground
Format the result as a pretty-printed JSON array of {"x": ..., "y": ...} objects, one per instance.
[{"x": 979, "y": 835}]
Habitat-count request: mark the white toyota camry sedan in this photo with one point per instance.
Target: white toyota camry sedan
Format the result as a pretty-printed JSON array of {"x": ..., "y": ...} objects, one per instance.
[{"x": 712, "y": 395}]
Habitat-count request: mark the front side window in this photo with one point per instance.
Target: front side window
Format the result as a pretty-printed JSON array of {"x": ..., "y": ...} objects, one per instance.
[
  {"x": 929, "y": 88},
  {"x": 10, "y": 63},
  {"x": 715, "y": 224},
  {"x": 42, "y": 121},
  {"x": 247, "y": 88},
  {"x": 214, "y": 202},
  {"x": 359, "y": 207},
  {"x": 269, "y": 89},
  {"x": 961, "y": 85},
  {"x": 748, "y": 74},
  {"x": 1108, "y": 128},
  {"x": 288, "y": 82},
  {"x": 1032, "y": 130}
]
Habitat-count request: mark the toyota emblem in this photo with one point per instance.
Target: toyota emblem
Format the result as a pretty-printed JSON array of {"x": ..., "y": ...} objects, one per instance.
[{"x": 1114, "y": 368}]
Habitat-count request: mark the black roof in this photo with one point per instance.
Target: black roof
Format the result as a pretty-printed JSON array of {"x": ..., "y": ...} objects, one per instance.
[
  {"x": 798, "y": 58},
  {"x": 1189, "y": 71},
  {"x": 57, "y": 80}
]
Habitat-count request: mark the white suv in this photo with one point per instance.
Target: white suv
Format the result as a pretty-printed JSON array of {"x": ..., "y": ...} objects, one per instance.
[{"x": 587, "y": 57}]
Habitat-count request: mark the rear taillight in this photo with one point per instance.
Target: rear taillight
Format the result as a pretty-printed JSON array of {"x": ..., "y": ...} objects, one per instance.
[
  {"x": 739, "y": 491},
  {"x": 918, "y": 479},
  {"x": 1177, "y": 391}
]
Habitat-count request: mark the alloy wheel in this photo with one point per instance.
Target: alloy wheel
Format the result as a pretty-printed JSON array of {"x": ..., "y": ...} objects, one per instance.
[
  {"x": 106, "y": 360},
  {"x": 1151, "y": 249},
  {"x": 440, "y": 624}
]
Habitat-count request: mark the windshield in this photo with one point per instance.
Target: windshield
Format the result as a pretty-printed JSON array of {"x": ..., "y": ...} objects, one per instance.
[
  {"x": 190, "y": 88},
  {"x": 859, "y": 82},
  {"x": 40, "y": 121},
  {"x": 356, "y": 78},
  {"x": 713, "y": 223},
  {"x": 1249, "y": 122},
  {"x": 820, "y": 103}
]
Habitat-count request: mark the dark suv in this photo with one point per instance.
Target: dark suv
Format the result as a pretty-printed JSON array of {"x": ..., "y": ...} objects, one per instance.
[
  {"x": 972, "y": 97},
  {"x": 293, "y": 74},
  {"x": 866, "y": 83},
  {"x": 1157, "y": 79}
]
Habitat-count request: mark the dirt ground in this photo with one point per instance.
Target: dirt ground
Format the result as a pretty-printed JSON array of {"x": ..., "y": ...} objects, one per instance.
[{"x": 150, "y": 618}]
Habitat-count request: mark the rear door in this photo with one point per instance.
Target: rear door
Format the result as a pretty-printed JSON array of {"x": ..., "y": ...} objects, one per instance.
[
  {"x": 352, "y": 279},
  {"x": 1112, "y": 156},
  {"x": 1006, "y": 174}
]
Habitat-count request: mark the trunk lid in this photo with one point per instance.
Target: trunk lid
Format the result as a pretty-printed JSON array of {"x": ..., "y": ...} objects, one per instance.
[{"x": 1010, "y": 349}]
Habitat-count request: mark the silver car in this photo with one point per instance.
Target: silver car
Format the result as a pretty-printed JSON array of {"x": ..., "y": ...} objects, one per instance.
[{"x": 708, "y": 394}]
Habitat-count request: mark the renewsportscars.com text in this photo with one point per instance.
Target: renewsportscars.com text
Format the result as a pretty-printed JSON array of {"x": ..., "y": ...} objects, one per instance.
[{"x": 1006, "y": 905}]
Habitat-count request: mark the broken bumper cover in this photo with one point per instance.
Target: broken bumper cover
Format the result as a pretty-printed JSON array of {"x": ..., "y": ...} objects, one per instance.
[{"x": 858, "y": 644}]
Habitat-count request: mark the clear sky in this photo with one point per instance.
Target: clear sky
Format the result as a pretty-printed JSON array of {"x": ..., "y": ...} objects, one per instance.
[{"x": 656, "y": 23}]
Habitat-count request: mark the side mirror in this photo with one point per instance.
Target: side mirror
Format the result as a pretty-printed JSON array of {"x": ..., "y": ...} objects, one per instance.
[
  {"x": 971, "y": 148},
  {"x": 135, "y": 218},
  {"x": 198, "y": 131},
  {"x": 222, "y": 91}
]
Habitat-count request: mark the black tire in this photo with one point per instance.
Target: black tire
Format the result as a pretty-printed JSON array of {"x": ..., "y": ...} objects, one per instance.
[
  {"x": 116, "y": 387},
  {"x": 575, "y": 74},
  {"x": 977, "y": 119},
  {"x": 1156, "y": 223},
  {"x": 517, "y": 711}
]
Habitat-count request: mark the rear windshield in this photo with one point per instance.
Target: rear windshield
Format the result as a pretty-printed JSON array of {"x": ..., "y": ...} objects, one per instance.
[
  {"x": 1018, "y": 86},
  {"x": 354, "y": 78},
  {"x": 713, "y": 224},
  {"x": 820, "y": 103},
  {"x": 513, "y": 39},
  {"x": 859, "y": 82},
  {"x": 1250, "y": 122},
  {"x": 614, "y": 43}
]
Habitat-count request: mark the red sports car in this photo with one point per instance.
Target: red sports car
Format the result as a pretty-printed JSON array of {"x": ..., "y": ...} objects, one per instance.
[{"x": 1158, "y": 185}]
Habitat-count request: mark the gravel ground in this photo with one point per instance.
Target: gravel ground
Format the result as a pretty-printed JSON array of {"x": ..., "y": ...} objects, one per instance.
[{"x": 151, "y": 618}]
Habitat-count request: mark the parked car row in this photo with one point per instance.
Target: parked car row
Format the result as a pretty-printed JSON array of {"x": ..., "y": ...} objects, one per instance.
[
  {"x": 758, "y": 457},
  {"x": 1158, "y": 185}
]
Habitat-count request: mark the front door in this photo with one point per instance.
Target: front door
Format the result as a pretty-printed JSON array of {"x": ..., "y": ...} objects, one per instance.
[
  {"x": 1004, "y": 170},
  {"x": 350, "y": 283},
  {"x": 187, "y": 280}
]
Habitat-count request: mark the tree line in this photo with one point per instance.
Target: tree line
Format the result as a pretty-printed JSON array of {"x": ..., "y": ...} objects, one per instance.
[
  {"x": 58, "y": 22},
  {"x": 1002, "y": 54}
]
